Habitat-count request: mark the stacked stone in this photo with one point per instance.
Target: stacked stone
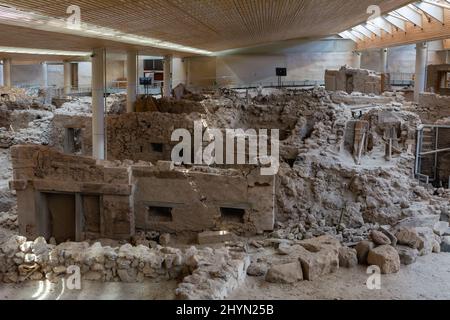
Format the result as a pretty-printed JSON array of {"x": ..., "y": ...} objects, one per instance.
[{"x": 210, "y": 273}]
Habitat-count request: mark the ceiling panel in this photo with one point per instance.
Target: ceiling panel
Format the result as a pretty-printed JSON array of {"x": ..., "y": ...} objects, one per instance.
[{"x": 216, "y": 25}]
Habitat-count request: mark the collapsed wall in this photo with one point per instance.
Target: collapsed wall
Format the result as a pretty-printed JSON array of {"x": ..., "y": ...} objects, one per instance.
[
  {"x": 432, "y": 107},
  {"x": 356, "y": 80}
]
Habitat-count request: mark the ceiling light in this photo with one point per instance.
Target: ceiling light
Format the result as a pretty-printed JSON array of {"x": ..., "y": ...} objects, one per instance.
[
  {"x": 12, "y": 16},
  {"x": 44, "y": 52}
]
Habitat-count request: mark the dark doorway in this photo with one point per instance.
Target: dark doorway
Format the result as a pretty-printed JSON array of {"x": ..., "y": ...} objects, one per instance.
[
  {"x": 349, "y": 86},
  {"x": 61, "y": 216},
  {"x": 72, "y": 141}
]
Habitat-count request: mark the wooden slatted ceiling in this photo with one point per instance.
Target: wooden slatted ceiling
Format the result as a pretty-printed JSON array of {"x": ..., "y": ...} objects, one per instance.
[{"x": 216, "y": 25}]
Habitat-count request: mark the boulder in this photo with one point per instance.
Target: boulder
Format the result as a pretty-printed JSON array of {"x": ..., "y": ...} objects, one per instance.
[
  {"x": 318, "y": 256},
  {"x": 385, "y": 257},
  {"x": 319, "y": 243},
  {"x": 407, "y": 255},
  {"x": 39, "y": 246},
  {"x": 390, "y": 235},
  {"x": 427, "y": 239},
  {"x": 441, "y": 228},
  {"x": 285, "y": 273},
  {"x": 362, "y": 251},
  {"x": 317, "y": 264},
  {"x": 347, "y": 257},
  {"x": 164, "y": 239},
  {"x": 408, "y": 237},
  {"x": 436, "y": 246},
  {"x": 379, "y": 238},
  {"x": 257, "y": 269},
  {"x": 445, "y": 244}
]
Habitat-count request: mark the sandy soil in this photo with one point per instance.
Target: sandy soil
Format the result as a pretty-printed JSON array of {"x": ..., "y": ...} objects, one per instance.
[
  {"x": 44, "y": 290},
  {"x": 428, "y": 278}
]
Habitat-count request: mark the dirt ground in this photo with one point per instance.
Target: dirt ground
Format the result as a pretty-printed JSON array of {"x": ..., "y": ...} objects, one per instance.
[
  {"x": 90, "y": 290},
  {"x": 428, "y": 278}
]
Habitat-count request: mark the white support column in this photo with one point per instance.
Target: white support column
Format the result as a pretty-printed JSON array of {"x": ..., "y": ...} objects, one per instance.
[
  {"x": 383, "y": 60},
  {"x": 358, "y": 55},
  {"x": 167, "y": 76},
  {"x": 447, "y": 57},
  {"x": 44, "y": 79},
  {"x": 98, "y": 104},
  {"x": 7, "y": 82},
  {"x": 67, "y": 77},
  {"x": 421, "y": 66},
  {"x": 131, "y": 80}
]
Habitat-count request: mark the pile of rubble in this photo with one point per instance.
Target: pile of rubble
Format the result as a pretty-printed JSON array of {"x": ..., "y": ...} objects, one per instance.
[
  {"x": 8, "y": 220},
  {"x": 290, "y": 261},
  {"x": 390, "y": 247},
  {"x": 321, "y": 190},
  {"x": 205, "y": 273}
]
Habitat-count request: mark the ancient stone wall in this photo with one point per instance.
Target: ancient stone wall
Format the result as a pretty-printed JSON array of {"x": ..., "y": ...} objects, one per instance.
[
  {"x": 205, "y": 273},
  {"x": 75, "y": 198},
  {"x": 355, "y": 80},
  {"x": 142, "y": 136},
  {"x": 436, "y": 75},
  {"x": 99, "y": 195},
  {"x": 197, "y": 200},
  {"x": 432, "y": 107}
]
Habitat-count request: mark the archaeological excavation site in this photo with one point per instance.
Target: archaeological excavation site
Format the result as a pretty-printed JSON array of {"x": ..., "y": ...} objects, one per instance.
[{"x": 250, "y": 150}]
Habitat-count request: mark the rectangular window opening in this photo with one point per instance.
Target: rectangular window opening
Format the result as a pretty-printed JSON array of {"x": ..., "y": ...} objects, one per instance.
[
  {"x": 160, "y": 214},
  {"x": 232, "y": 214},
  {"x": 157, "y": 147}
]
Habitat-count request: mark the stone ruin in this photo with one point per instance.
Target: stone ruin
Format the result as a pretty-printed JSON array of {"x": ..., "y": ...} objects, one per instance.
[
  {"x": 437, "y": 79},
  {"x": 356, "y": 80},
  {"x": 335, "y": 192},
  {"x": 76, "y": 198}
]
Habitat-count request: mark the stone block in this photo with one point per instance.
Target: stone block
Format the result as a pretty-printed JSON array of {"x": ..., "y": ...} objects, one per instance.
[
  {"x": 214, "y": 237},
  {"x": 385, "y": 257}
]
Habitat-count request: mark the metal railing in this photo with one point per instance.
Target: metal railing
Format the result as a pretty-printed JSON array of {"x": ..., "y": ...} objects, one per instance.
[{"x": 401, "y": 79}]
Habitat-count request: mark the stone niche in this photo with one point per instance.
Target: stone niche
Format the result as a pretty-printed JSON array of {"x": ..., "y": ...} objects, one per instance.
[
  {"x": 72, "y": 197},
  {"x": 356, "y": 80}
]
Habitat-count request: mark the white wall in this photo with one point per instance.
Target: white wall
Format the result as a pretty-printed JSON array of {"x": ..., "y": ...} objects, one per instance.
[
  {"x": 55, "y": 75},
  {"x": 304, "y": 61},
  {"x": 402, "y": 60},
  {"x": 26, "y": 75},
  {"x": 84, "y": 74}
]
